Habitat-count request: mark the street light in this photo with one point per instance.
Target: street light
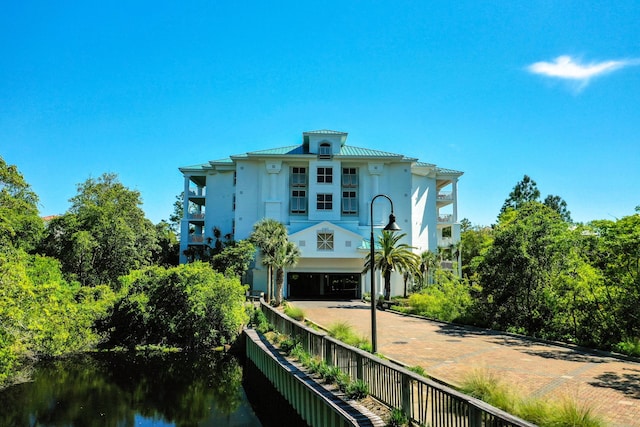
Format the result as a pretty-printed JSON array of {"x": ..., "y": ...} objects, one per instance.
[{"x": 391, "y": 226}]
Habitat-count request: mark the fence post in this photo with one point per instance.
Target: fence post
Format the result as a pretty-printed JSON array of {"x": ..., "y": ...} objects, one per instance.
[
  {"x": 475, "y": 417},
  {"x": 407, "y": 408},
  {"x": 359, "y": 367},
  {"x": 328, "y": 350}
]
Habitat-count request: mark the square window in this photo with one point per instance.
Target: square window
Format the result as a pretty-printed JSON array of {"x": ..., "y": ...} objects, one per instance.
[
  {"x": 324, "y": 202},
  {"x": 325, "y": 175}
]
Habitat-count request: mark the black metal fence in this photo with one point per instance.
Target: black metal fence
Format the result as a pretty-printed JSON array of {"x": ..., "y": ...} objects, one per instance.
[{"x": 424, "y": 401}]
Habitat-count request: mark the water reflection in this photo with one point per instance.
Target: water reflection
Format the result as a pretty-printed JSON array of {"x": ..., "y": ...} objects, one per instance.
[{"x": 126, "y": 390}]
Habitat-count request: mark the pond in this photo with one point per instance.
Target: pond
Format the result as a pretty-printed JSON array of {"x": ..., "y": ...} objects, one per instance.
[{"x": 126, "y": 390}]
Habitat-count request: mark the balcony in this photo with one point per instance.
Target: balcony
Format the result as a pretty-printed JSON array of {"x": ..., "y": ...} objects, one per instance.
[
  {"x": 196, "y": 216},
  {"x": 445, "y": 219},
  {"x": 196, "y": 238},
  {"x": 445, "y": 242},
  {"x": 445, "y": 195}
]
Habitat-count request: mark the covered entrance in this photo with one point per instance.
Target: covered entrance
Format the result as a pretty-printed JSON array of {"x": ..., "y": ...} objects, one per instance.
[{"x": 324, "y": 285}]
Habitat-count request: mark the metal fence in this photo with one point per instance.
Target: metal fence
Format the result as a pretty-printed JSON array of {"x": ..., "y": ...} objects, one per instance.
[{"x": 424, "y": 401}]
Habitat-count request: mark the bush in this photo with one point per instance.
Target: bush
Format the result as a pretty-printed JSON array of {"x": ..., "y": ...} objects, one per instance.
[
  {"x": 357, "y": 389},
  {"x": 397, "y": 418},
  {"x": 448, "y": 300},
  {"x": 189, "y": 306},
  {"x": 630, "y": 346}
]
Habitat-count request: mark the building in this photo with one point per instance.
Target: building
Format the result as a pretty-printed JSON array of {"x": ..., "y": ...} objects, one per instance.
[{"x": 321, "y": 190}]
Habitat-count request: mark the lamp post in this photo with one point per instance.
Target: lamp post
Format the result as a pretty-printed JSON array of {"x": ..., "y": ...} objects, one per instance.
[{"x": 391, "y": 226}]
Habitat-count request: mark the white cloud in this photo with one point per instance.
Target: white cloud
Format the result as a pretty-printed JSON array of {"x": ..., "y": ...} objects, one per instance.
[{"x": 568, "y": 68}]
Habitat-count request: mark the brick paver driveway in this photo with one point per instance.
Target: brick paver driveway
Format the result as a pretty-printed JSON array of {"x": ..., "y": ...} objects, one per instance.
[{"x": 447, "y": 352}]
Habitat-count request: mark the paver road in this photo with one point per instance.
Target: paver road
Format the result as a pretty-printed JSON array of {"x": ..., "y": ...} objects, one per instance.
[{"x": 449, "y": 352}]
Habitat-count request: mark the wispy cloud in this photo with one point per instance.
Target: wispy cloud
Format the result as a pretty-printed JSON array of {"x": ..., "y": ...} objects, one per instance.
[{"x": 567, "y": 68}]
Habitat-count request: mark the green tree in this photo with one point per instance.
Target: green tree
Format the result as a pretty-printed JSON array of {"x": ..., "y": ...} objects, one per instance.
[
  {"x": 269, "y": 236},
  {"x": 475, "y": 241},
  {"x": 559, "y": 205},
  {"x": 617, "y": 255},
  {"x": 165, "y": 253},
  {"x": 523, "y": 192},
  {"x": 530, "y": 272},
  {"x": 235, "y": 258},
  {"x": 104, "y": 234},
  {"x": 428, "y": 263},
  {"x": 392, "y": 255},
  {"x": 20, "y": 223},
  {"x": 286, "y": 256},
  {"x": 189, "y": 306}
]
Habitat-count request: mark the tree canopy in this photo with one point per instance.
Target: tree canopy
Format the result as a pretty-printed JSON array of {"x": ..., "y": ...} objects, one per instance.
[
  {"x": 20, "y": 223},
  {"x": 104, "y": 234}
]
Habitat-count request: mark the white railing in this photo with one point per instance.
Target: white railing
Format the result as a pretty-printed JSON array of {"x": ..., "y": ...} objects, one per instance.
[
  {"x": 445, "y": 218},
  {"x": 445, "y": 242},
  {"x": 445, "y": 195},
  {"x": 196, "y": 216}
]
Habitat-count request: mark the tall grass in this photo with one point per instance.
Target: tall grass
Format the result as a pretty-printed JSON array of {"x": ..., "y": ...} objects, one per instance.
[
  {"x": 294, "y": 312},
  {"x": 564, "y": 413},
  {"x": 344, "y": 332}
]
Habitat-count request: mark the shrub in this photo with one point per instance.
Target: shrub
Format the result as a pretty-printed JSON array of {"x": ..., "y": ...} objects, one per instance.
[
  {"x": 357, "y": 389},
  {"x": 189, "y": 306},
  {"x": 630, "y": 346},
  {"x": 397, "y": 418}
]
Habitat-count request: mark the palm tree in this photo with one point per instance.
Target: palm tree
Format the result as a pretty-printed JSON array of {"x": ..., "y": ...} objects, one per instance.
[
  {"x": 286, "y": 256},
  {"x": 269, "y": 236},
  {"x": 428, "y": 261},
  {"x": 392, "y": 256}
]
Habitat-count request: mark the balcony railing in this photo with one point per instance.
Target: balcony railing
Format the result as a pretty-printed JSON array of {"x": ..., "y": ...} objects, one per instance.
[
  {"x": 445, "y": 195},
  {"x": 196, "y": 238},
  {"x": 445, "y": 218},
  {"x": 196, "y": 216},
  {"x": 201, "y": 192},
  {"x": 445, "y": 242}
]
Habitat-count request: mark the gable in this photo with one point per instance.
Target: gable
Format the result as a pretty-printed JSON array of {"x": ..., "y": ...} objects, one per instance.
[{"x": 314, "y": 241}]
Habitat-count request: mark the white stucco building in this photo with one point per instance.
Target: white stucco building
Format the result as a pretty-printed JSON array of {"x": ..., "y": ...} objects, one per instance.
[{"x": 321, "y": 189}]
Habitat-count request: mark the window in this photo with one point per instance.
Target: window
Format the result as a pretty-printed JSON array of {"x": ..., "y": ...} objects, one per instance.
[
  {"x": 349, "y": 191},
  {"x": 325, "y": 175},
  {"x": 325, "y": 241},
  {"x": 324, "y": 151},
  {"x": 349, "y": 203},
  {"x": 298, "y": 201},
  {"x": 298, "y": 190},
  {"x": 349, "y": 177},
  {"x": 298, "y": 177},
  {"x": 325, "y": 202}
]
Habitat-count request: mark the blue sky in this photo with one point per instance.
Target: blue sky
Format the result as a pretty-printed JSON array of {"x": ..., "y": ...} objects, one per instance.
[{"x": 497, "y": 90}]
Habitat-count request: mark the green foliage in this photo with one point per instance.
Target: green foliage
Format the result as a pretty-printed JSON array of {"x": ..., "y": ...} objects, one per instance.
[
  {"x": 449, "y": 299},
  {"x": 565, "y": 413},
  {"x": 357, "y": 389},
  {"x": 20, "y": 224},
  {"x": 260, "y": 322},
  {"x": 630, "y": 346},
  {"x": 475, "y": 242},
  {"x": 104, "y": 234},
  {"x": 271, "y": 239},
  {"x": 344, "y": 332},
  {"x": 392, "y": 255},
  {"x": 294, "y": 312},
  {"x": 234, "y": 258},
  {"x": 41, "y": 314},
  {"x": 397, "y": 418},
  {"x": 189, "y": 306},
  {"x": 418, "y": 370}
]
